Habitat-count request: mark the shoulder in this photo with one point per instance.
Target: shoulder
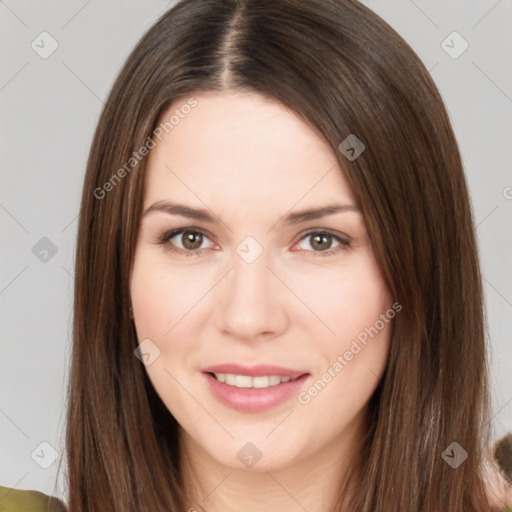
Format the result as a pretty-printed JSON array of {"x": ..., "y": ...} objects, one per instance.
[{"x": 17, "y": 500}]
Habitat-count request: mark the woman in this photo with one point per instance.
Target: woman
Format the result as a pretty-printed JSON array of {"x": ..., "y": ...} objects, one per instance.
[{"x": 278, "y": 302}]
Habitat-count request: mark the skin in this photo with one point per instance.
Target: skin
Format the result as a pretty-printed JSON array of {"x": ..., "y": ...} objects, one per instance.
[{"x": 251, "y": 161}]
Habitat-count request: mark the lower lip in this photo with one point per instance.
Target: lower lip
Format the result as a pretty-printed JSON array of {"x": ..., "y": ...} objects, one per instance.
[{"x": 254, "y": 399}]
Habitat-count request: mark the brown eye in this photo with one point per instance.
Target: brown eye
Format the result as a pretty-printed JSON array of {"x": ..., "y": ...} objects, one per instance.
[
  {"x": 185, "y": 241},
  {"x": 191, "y": 240},
  {"x": 321, "y": 241}
]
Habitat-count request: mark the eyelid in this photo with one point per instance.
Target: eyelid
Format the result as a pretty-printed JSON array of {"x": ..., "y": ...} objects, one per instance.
[
  {"x": 167, "y": 235},
  {"x": 344, "y": 241},
  {"x": 339, "y": 236}
]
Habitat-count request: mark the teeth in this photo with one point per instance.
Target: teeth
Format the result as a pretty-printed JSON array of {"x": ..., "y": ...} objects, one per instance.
[
  {"x": 274, "y": 380},
  {"x": 245, "y": 381}
]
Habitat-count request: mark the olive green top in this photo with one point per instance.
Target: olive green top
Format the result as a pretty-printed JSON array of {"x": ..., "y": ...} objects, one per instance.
[{"x": 17, "y": 500}]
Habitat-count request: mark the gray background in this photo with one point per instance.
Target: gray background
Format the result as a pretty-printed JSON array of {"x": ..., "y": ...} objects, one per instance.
[{"x": 49, "y": 110}]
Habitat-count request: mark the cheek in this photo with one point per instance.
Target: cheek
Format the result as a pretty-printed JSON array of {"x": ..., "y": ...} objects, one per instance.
[
  {"x": 358, "y": 307},
  {"x": 352, "y": 302},
  {"x": 162, "y": 299},
  {"x": 347, "y": 300},
  {"x": 161, "y": 296}
]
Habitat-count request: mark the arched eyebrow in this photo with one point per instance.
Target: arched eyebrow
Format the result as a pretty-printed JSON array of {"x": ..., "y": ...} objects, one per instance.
[
  {"x": 291, "y": 218},
  {"x": 317, "y": 213}
]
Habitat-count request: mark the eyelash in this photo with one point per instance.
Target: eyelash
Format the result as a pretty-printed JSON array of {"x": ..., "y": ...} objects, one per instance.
[{"x": 164, "y": 240}]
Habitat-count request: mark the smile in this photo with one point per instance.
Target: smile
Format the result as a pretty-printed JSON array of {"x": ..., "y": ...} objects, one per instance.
[
  {"x": 253, "y": 389},
  {"x": 246, "y": 381}
]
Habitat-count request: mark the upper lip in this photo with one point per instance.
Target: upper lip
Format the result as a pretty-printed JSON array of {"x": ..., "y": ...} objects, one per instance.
[{"x": 254, "y": 371}]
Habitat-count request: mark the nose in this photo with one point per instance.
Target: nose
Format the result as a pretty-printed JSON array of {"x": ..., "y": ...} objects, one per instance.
[{"x": 251, "y": 301}]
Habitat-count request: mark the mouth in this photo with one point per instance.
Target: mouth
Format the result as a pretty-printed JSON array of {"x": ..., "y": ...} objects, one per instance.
[{"x": 253, "y": 389}]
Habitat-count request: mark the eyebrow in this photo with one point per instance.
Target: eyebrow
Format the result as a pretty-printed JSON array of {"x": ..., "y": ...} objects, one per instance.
[{"x": 292, "y": 218}]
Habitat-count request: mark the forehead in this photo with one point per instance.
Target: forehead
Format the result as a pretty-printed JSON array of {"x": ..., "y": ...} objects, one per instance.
[{"x": 246, "y": 150}]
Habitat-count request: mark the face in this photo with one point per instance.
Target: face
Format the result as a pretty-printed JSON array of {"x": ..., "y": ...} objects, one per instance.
[{"x": 267, "y": 330}]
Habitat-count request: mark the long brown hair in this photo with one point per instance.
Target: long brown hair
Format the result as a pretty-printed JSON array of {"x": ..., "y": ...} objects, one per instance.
[{"x": 345, "y": 71}]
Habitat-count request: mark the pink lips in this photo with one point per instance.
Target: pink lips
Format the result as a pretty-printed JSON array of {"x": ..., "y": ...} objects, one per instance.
[{"x": 254, "y": 399}]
